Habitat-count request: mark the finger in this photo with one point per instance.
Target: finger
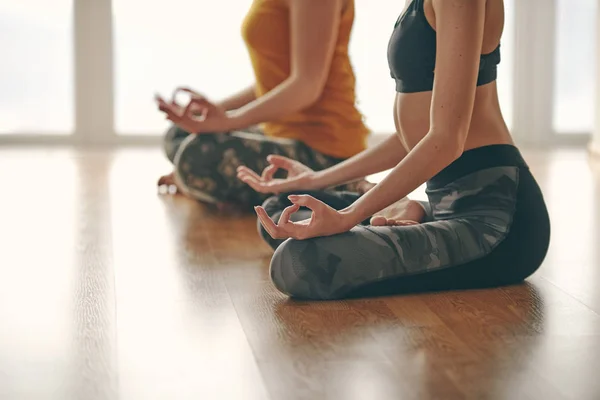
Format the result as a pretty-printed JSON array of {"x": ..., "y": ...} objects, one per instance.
[
  {"x": 204, "y": 113},
  {"x": 193, "y": 104},
  {"x": 378, "y": 221},
  {"x": 170, "y": 114},
  {"x": 286, "y": 214},
  {"x": 245, "y": 177},
  {"x": 281, "y": 161},
  {"x": 199, "y": 102},
  {"x": 186, "y": 89},
  {"x": 248, "y": 171},
  {"x": 180, "y": 89},
  {"x": 300, "y": 230},
  {"x": 254, "y": 184},
  {"x": 163, "y": 106},
  {"x": 166, "y": 108},
  {"x": 307, "y": 201},
  {"x": 267, "y": 222},
  {"x": 269, "y": 172},
  {"x": 188, "y": 109},
  {"x": 243, "y": 168},
  {"x": 183, "y": 89},
  {"x": 281, "y": 185},
  {"x": 242, "y": 176},
  {"x": 193, "y": 96},
  {"x": 383, "y": 221}
]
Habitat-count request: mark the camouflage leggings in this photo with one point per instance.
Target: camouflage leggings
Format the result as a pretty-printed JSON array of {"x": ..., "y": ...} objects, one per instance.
[
  {"x": 205, "y": 165},
  {"x": 487, "y": 225}
]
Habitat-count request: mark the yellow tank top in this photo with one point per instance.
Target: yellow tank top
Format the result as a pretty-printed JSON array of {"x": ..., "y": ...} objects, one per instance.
[{"x": 332, "y": 125}]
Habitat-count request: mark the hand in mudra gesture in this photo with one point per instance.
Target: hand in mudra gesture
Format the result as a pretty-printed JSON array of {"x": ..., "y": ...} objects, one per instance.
[
  {"x": 200, "y": 115},
  {"x": 299, "y": 176}
]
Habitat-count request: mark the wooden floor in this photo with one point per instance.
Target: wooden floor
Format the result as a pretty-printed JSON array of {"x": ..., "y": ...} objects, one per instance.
[{"x": 109, "y": 291}]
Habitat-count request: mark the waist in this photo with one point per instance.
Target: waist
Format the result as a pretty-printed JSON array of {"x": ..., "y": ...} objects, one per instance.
[
  {"x": 477, "y": 159},
  {"x": 487, "y": 126}
]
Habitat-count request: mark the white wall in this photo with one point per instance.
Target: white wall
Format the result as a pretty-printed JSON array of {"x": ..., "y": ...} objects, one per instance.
[{"x": 595, "y": 143}]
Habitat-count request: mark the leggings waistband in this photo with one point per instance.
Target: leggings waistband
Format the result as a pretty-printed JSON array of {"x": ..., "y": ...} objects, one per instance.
[{"x": 496, "y": 155}]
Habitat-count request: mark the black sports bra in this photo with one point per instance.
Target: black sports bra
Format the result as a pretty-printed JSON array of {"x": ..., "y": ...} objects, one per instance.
[{"x": 412, "y": 50}]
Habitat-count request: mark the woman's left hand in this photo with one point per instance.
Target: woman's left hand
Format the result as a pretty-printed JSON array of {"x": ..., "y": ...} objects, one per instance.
[
  {"x": 211, "y": 118},
  {"x": 324, "y": 221}
]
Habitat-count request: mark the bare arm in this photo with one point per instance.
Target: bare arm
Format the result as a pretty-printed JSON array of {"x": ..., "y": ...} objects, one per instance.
[
  {"x": 313, "y": 35},
  {"x": 375, "y": 159},
  {"x": 460, "y": 26},
  {"x": 238, "y": 100},
  {"x": 380, "y": 157}
]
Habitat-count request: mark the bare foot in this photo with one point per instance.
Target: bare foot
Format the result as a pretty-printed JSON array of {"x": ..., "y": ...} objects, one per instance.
[
  {"x": 403, "y": 212},
  {"x": 362, "y": 186},
  {"x": 168, "y": 182}
]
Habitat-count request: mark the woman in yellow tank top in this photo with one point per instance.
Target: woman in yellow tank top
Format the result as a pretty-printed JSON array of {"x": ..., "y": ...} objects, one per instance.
[{"x": 303, "y": 99}]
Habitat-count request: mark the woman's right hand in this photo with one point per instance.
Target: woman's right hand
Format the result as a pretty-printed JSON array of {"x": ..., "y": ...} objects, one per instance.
[
  {"x": 299, "y": 176},
  {"x": 194, "y": 107}
]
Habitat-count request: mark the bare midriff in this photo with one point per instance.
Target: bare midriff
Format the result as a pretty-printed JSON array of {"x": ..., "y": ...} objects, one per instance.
[{"x": 412, "y": 118}]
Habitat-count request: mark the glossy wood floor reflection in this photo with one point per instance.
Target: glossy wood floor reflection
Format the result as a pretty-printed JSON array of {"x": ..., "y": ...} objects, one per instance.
[{"x": 110, "y": 291}]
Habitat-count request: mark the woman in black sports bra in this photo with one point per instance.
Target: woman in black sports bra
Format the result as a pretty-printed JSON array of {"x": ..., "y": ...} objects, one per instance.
[{"x": 485, "y": 223}]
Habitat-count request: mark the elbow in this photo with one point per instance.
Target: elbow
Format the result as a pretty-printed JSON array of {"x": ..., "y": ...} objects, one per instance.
[
  {"x": 451, "y": 145},
  {"x": 314, "y": 95},
  {"x": 457, "y": 148},
  {"x": 308, "y": 91},
  {"x": 310, "y": 95}
]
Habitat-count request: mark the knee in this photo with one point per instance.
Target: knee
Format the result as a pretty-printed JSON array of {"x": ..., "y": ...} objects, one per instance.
[
  {"x": 195, "y": 173},
  {"x": 172, "y": 141},
  {"x": 287, "y": 279},
  {"x": 195, "y": 157},
  {"x": 296, "y": 272}
]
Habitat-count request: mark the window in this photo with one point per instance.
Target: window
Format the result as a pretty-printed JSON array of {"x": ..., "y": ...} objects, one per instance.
[
  {"x": 36, "y": 84},
  {"x": 185, "y": 43},
  {"x": 155, "y": 48},
  {"x": 375, "y": 89},
  {"x": 575, "y": 66}
]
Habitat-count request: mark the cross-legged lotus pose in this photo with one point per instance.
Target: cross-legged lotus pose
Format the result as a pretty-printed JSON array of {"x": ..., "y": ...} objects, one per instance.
[
  {"x": 485, "y": 223},
  {"x": 303, "y": 98}
]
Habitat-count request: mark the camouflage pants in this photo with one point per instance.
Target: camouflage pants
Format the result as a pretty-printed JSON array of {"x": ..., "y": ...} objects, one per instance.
[
  {"x": 486, "y": 227},
  {"x": 205, "y": 165}
]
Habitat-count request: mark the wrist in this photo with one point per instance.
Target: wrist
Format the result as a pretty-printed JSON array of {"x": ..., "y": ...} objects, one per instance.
[
  {"x": 317, "y": 180},
  {"x": 223, "y": 105},
  {"x": 236, "y": 120},
  {"x": 351, "y": 216}
]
